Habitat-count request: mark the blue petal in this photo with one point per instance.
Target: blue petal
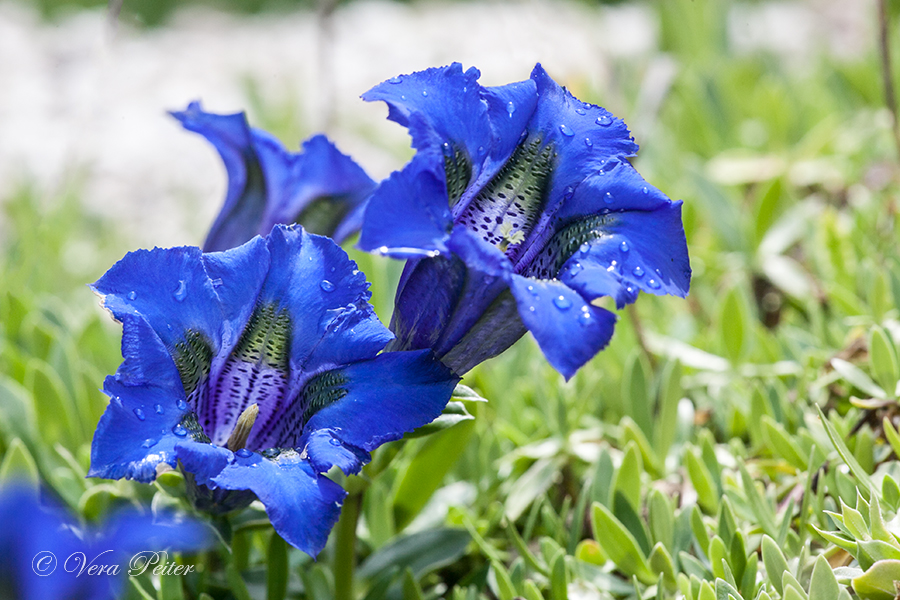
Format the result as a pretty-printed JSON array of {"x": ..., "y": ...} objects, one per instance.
[
  {"x": 203, "y": 461},
  {"x": 385, "y": 398},
  {"x": 137, "y": 431},
  {"x": 327, "y": 299},
  {"x": 321, "y": 173},
  {"x": 147, "y": 361},
  {"x": 643, "y": 250},
  {"x": 325, "y": 450},
  {"x": 439, "y": 105},
  {"x": 169, "y": 288},
  {"x": 568, "y": 330},
  {"x": 245, "y": 200},
  {"x": 510, "y": 107},
  {"x": 237, "y": 276},
  {"x": 302, "y": 506},
  {"x": 415, "y": 197}
]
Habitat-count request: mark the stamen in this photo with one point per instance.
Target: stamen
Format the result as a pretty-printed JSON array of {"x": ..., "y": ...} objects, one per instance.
[{"x": 241, "y": 431}]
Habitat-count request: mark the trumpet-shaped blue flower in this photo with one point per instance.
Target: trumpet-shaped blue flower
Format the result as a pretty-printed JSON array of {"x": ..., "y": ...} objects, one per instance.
[
  {"x": 518, "y": 211},
  {"x": 256, "y": 368},
  {"x": 44, "y": 554},
  {"x": 319, "y": 188}
]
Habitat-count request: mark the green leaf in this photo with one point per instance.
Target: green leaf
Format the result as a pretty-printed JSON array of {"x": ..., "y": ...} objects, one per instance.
[
  {"x": 453, "y": 413},
  {"x": 618, "y": 543},
  {"x": 670, "y": 393},
  {"x": 533, "y": 483},
  {"x": 782, "y": 443},
  {"x": 423, "y": 552},
  {"x": 765, "y": 515},
  {"x": 702, "y": 481},
  {"x": 822, "y": 584},
  {"x": 661, "y": 519},
  {"x": 890, "y": 491},
  {"x": 18, "y": 466},
  {"x": 531, "y": 591},
  {"x": 636, "y": 392},
  {"x": 857, "y": 378},
  {"x": 426, "y": 472},
  {"x": 464, "y": 392},
  {"x": 628, "y": 477},
  {"x": 660, "y": 561},
  {"x": 883, "y": 358},
  {"x": 844, "y": 452},
  {"x": 411, "y": 588},
  {"x": 733, "y": 324},
  {"x": 699, "y": 529},
  {"x": 53, "y": 409},
  {"x": 558, "y": 578},
  {"x": 590, "y": 552},
  {"x": 877, "y": 583},
  {"x": 775, "y": 563},
  {"x": 505, "y": 588},
  {"x": 277, "y": 570}
]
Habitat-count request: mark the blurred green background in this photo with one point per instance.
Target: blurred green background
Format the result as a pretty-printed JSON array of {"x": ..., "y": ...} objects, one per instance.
[{"x": 690, "y": 448}]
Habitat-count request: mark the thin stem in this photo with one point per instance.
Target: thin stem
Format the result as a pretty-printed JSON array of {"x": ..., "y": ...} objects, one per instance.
[
  {"x": 345, "y": 553},
  {"x": 887, "y": 73}
]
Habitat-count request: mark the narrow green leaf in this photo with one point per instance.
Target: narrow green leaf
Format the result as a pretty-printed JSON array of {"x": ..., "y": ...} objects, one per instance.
[
  {"x": 706, "y": 592},
  {"x": 733, "y": 325},
  {"x": 505, "y": 588},
  {"x": 878, "y": 582},
  {"x": 661, "y": 518},
  {"x": 590, "y": 552},
  {"x": 858, "y": 379},
  {"x": 636, "y": 392},
  {"x": 775, "y": 563},
  {"x": 782, "y": 443},
  {"x": 411, "y": 588},
  {"x": 619, "y": 544},
  {"x": 844, "y": 452},
  {"x": 822, "y": 584},
  {"x": 628, "y": 477},
  {"x": 883, "y": 357},
  {"x": 718, "y": 554},
  {"x": 891, "y": 435},
  {"x": 702, "y": 481},
  {"x": 277, "y": 571},
  {"x": 558, "y": 579},
  {"x": 699, "y": 529},
  {"x": 890, "y": 491},
  {"x": 533, "y": 483},
  {"x": 531, "y": 591},
  {"x": 670, "y": 393},
  {"x": 660, "y": 561},
  {"x": 765, "y": 515}
]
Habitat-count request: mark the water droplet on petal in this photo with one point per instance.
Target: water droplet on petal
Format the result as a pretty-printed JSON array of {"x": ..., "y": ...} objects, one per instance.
[
  {"x": 604, "y": 121},
  {"x": 575, "y": 269},
  {"x": 181, "y": 292},
  {"x": 531, "y": 309},
  {"x": 132, "y": 295},
  {"x": 402, "y": 97},
  {"x": 243, "y": 453},
  {"x": 534, "y": 292},
  {"x": 149, "y": 443},
  {"x": 562, "y": 303},
  {"x": 653, "y": 284},
  {"x": 334, "y": 442},
  {"x": 570, "y": 191},
  {"x": 446, "y": 148},
  {"x": 608, "y": 198},
  {"x": 181, "y": 404},
  {"x": 159, "y": 409},
  {"x": 510, "y": 107},
  {"x": 629, "y": 289},
  {"x": 624, "y": 247},
  {"x": 588, "y": 142},
  {"x": 585, "y": 317},
  {"x": 397, "y": 79},
  {"x": 579, "y": 111},
  {"x": 480, "y": 150},
  {"x": 645, "y": 190},
  {"x": 179, "y": 430},
  {"x": 584, "y": 248},
  {"x": 216, "y": 283},
  {"x": 425, "y": 93},
  {"x": 139, "y": 414},
  {"x": 326, "y": 286},
  {"x": 638, "y": 272},
  {"x": 566, "y": 131}
]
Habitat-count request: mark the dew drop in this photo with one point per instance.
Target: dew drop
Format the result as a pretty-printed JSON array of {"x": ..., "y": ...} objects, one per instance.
[
  {"x": 579, "y": 111},
  {"x": 216, "y": 283},
  {"x": 566, "y": 131},
  {"x": 402, "y": 97},
  {"x": 534, "y": 292},
  {"x": 562, "y": 303},
  {"x": 149, "y": 443},
  {"x": 530, "y": 309},
  {"x": 653, "y": 284},
  {"x": 629, "y": 289},
  {"x": 608, "y": 198},
  {"x": 510, "y": 107},
  {"x": 585, "y": 317},
  {"x": 181, "y": 292},
  {"x": 584, "y": 248},
  {"x": 334, "y": 442},
  {"x": 139, "y": 414},
  {"x": 243, "y": 453},
  {"x": 624, "y": 247},
  {"x": 645, "y": 190},
  {"x": 638, "y": 272},
  {"x": 326, "y": 286},
  {"x": 480, "y": 150},
  {"x": 179, "y": 430},
  {"x": 446, "y": 148},
  {"x": 395, "y": 80},
  {"x": 604, "y": 121},
  {"x": 159, "y": 409},
  {"x": 575, "y": 269},
  {"x": 570, "y": 191},
  {"x": 132, "y": 295},
  {"x": 588, "y": 142},
  {"x": 425, "y": 93},
  {"x": 181, "y": 404}
]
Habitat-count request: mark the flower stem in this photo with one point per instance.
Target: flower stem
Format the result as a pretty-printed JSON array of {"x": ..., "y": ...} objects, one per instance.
[{"x": 345, "y": 552}]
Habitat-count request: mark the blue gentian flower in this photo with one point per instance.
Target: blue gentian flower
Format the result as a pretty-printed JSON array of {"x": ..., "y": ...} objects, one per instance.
[
  {"x": 319, "y": 188},
  {"x": 256, "y": 368},
  {"x": 45, "y": 554},
  {"x": 518, "y": 211}
]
